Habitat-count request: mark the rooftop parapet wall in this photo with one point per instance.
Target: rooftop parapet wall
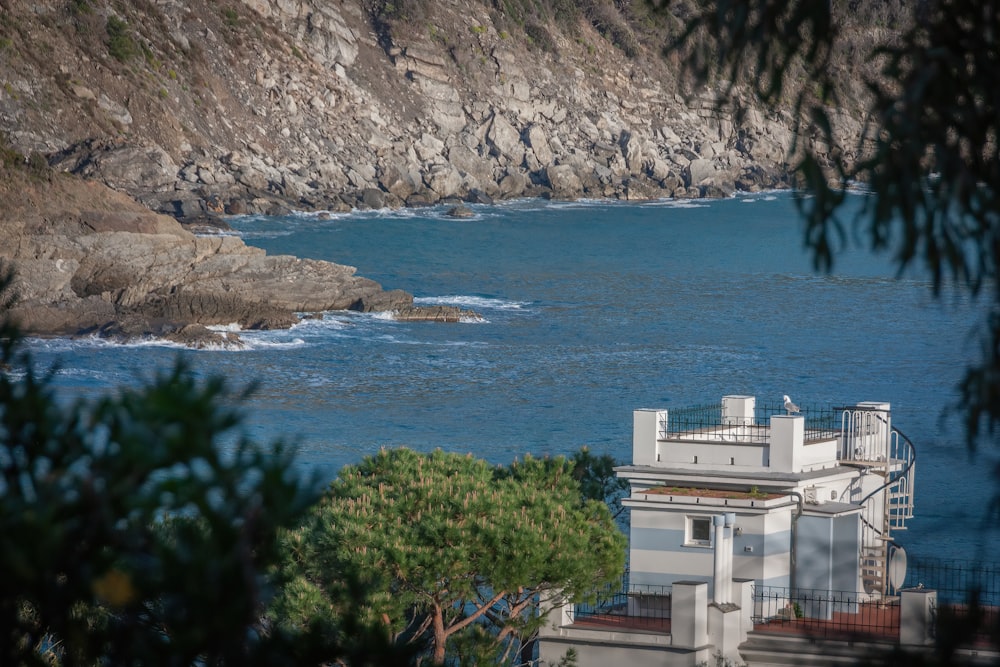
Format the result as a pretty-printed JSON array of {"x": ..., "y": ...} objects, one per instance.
[{"x": 729, "y": 436}]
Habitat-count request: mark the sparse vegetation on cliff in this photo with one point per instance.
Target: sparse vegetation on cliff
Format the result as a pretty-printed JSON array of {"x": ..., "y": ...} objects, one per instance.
[{"x": 121, "y": 46}]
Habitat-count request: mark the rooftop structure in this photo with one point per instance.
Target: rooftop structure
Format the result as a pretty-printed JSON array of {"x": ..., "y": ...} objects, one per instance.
[
  {"x": 818, "y": 497},
  {"x": 737, "y": 508}
]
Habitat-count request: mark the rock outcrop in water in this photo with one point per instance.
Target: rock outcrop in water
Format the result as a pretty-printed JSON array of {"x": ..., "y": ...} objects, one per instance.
[{"x": 89, "y": 260}]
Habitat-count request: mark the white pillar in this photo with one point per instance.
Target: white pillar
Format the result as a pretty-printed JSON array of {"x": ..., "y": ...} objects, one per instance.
[
  {"x": 689, "y": 615},
  {"x": 916, "y": 616},
  {"x": 743, "y": 596},
  {"x": 738, "y": 409},
  {"x": 645, "y": 445},
  {"x": 787, "y": 440},
  {"x": 727, "y": 575}
]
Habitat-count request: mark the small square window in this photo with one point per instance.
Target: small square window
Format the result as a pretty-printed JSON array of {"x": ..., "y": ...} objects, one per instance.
[{"x": 699, "y": 531}]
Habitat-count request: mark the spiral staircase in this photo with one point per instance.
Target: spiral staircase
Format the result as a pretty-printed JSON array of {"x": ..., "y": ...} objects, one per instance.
[{"x": 885, "y": 491}]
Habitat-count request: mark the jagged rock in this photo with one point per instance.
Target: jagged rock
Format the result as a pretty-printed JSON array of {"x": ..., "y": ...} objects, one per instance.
[
  {"x": 124, "y": 167},
  {"x": 634, "y": 152},
  {"x": 700, "y": 171},
  {"x": 115, "y": 111},
  {"x": 198, "y": 337},
  {"x": 461, "y": 212},
  {"x": 383, "y": 301},
  {"x": 471, "y": 164},
  {"x": 205, "y": 224},
  {"x": 755, "y": 178},
  {"x": 504, "y": 140},
  {"x": 423, "y": 198},
  {"x": 478, "y": 197},
  {"x": 513, "y": 184},
  {"x": 397, "y": 180},
  {"x": 434, "y": 314},
  {"x": 444, "y": 180},
  {"x": 535, "y": 138},
  {"x": 373, "y": 198},
  {"x": 429, "y": 147},
  {"x": 715, "y": 191},
  {"x": 564, "y": 181}
]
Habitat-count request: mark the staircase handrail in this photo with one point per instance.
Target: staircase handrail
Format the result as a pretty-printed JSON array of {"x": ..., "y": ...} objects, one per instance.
[{"x": 890, "y": 480}]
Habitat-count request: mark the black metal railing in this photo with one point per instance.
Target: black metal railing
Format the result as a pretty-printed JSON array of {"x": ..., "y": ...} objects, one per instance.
[
  {"x": 968, "y": 597},
  {"x": 825, "y": 614},
  {"x": 632, "y": 605},
  {"x": 683, "y": 420},
  {"x": 708, "y": 423},
  {"x": 954, "y": 579}
]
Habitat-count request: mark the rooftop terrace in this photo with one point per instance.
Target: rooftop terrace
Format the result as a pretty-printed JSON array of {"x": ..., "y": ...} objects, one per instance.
[{"x": 740, "y": 435}]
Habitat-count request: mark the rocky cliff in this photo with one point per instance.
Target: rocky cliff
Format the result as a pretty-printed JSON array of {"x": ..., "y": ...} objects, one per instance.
[
  {"x": 91, "y": 260},
  {"x": 207, "y": 107},
  {"x": 196, "y": 106}
]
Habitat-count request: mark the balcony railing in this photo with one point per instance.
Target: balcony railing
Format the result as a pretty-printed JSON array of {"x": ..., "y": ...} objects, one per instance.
[
  {"x": 825, "y": 614},
  {"x": 967, "y": 612},
  {"x": 706, "y": 423},
  {"x": 968, "y": 597},
  {"x": 629, "y": 605}
]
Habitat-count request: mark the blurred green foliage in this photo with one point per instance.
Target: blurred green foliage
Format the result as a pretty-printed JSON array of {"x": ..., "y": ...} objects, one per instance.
[{"x": 131, "y": 535}]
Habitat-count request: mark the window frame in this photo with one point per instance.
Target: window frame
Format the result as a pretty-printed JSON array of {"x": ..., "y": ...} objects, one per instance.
[{"x": 689, "y": 531}]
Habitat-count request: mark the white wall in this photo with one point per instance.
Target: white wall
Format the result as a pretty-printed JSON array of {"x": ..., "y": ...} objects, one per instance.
[{"x": 658, "y": 554}]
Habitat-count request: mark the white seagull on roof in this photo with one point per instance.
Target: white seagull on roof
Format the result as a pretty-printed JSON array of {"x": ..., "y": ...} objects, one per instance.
[{"x": 789, "y": 406}]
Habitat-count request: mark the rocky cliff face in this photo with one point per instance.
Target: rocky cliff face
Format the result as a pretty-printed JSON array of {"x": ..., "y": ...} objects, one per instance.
[
  {"x": 197, "y": 106},
  {"x": 203, "y": 107}
]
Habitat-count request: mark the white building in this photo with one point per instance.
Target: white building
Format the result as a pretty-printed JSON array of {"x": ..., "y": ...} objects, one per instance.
[
  {"x": 818, "y": 498},
  {"x": 736, "y": 509}
]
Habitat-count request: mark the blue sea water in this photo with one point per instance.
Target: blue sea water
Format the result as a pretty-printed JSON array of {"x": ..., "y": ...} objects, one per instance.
[{"x": 590, "y": 310}]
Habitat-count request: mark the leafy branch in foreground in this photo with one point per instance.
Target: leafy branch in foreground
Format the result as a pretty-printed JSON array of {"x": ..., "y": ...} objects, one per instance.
[
  {"x": 929, "y": 150},
  {"x": 130, "y": 534}
]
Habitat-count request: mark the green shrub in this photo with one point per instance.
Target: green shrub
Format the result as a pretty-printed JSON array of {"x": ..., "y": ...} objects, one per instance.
[
  {"x": 10, "y": 157},
  {"x": 38, "y": 165},
  {"x": 121, "y": 46},
  {"x": 540, "y": 36}
]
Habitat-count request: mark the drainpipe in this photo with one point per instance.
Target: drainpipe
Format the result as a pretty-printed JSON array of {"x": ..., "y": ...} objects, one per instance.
[
  {"x": 718, "y": 596},
  {"x": 792, "y": 547},
  {"x": 729, "y": 522}
]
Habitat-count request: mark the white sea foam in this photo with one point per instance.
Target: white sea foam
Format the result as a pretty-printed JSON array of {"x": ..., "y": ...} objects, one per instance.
[
  {"x": 476, "y": 303},
  {"x": 677, "y": 203},
  {"x": 754, "y": 197},
  {"x": 232, "y": 327},
  {"x": 578, "y": 203},
  {"x": 59, "y": 345},
  {"x": 260, "y": 234},
  {"x": 253, "y": 343}
]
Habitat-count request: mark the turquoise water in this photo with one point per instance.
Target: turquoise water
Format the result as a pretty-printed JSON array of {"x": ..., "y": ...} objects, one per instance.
[{"x": 590, "y": 310}]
